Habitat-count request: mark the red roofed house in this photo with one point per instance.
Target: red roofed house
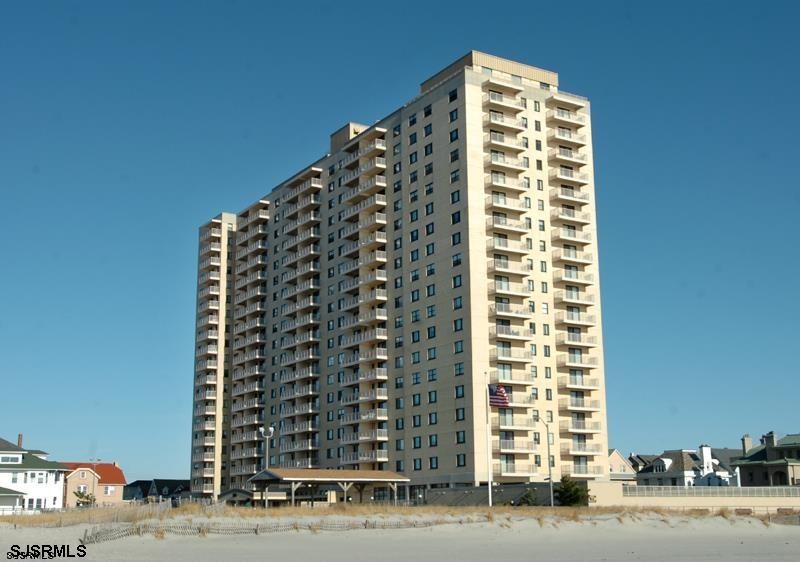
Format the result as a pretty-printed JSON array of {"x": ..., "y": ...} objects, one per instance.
[{"x": 105, "y": 480}]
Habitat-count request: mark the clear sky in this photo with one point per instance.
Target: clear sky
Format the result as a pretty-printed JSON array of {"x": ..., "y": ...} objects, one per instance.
[{"x": 125, "y": 125}]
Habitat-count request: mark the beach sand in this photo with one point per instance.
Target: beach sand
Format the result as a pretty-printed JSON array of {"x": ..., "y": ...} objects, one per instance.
[{"x": 648, "y": 537}]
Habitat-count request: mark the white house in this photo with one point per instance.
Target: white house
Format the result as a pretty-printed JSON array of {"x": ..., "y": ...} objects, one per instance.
[
  {"x": 29, "y": 473},
  {"x": 688, "y": 467}
]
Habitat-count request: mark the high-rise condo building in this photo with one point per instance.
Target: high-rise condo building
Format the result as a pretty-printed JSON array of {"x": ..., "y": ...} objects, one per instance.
[{"x": 364, "y": 305}]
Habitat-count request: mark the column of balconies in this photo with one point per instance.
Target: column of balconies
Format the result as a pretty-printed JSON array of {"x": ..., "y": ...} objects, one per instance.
[
  {"x": 362, "y": 306},
  {"x": 299, "y": 354},
  {"x": 508, "y": 271},
  {"x": 574, "y": 295},
  {"x": 208, "y": 355}
]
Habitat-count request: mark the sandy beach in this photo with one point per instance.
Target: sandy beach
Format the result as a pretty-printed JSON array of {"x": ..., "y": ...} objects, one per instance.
[{"x": 650, "y": 537}]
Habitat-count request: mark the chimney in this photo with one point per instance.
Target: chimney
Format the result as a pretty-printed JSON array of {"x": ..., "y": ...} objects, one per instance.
[
  {"x": 770, "y": 439},
  {"x": 705, "y": 454},
  {"x": 19, "y": 440},
  {"x": 747, "y": 443}
]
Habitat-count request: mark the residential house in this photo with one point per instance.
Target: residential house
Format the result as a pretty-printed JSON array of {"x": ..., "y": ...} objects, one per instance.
[
  {"x": 638, "y": 462},
  {"x": 11, "y": 501},
  {"x": 620, "y": 468},
  {"x": 104, "y": 480},
  {"x": 29, "y": 473},
  {"x": 775, "y": 462},
  {"x": 687, "y": 467},
  {"x": 156, "y": 490}
]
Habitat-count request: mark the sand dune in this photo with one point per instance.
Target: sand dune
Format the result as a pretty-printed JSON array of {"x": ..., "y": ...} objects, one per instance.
[{"x": 509, "y": 537}]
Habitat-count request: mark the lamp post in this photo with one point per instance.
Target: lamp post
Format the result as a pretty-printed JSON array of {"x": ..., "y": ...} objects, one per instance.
[
  {"x": 267, "y": 435},
  {"x": 549, "y": 464}
]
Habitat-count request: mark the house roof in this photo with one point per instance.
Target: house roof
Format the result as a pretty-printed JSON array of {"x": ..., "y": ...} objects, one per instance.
[
  {"x": 172, "y": 486},
  {"x": 108, "y": 472},
  {"x": 9, "y": 447},
  {"x": 32, "y": 462},
  {"x": 327, "y": 475},
  {"x": 9, "y": 492},
  {"x": 726, "y": 456},
  {"x": 682, "y": 461},
  {"x": 790, "y": 439}
]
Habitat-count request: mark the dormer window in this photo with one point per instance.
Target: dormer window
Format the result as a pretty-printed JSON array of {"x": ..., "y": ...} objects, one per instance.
[{"x": 11, "y": 459}]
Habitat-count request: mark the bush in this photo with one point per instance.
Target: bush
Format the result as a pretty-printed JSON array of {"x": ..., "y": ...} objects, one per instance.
[
  {"x": 528, "y": 498},
  {"x": 571, "y": 493}
]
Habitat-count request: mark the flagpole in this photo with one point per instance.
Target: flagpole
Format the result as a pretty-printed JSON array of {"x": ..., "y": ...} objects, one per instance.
[{"x": 488, "y": 444}]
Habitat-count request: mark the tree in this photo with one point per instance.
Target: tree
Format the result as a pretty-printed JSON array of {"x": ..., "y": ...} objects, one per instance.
[
  {"x": 571, "y": 493},
  {"x": 528, "y": 498},
  {"x": 85, "y": 499}
]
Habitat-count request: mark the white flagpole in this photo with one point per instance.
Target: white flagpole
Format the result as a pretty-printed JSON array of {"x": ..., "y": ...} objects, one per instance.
[{"x": 488, "y": 444}]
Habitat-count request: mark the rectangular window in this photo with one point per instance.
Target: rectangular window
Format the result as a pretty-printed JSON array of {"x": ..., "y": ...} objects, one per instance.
[
  {"x": 453, "y": 115},
  {"x": 453, "y": 95}
]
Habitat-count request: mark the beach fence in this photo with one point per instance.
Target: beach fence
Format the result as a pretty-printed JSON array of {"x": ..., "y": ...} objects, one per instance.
[{"x": 160, "y": 529}]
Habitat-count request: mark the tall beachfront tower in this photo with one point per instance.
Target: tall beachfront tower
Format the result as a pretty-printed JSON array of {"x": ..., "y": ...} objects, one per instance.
[{"x": 364, "y": 305}]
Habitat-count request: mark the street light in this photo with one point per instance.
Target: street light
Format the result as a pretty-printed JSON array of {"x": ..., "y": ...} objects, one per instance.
[
  {"x": 267, "y": 435},
  {"x": 549, "y": 464}
]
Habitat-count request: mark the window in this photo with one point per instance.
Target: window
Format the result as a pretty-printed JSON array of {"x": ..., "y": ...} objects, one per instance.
[
  {"x": 459, "y": 391},
  {"x": 455, "y": 238},
  {"x": 431, "y": 332},
  {"x": 428, "y": 149},
  {"x": 396, "y": 131},
  {"x": 412, "y": 119},
  {"x": 413, "y": 215},
  {"x": 399, "y": 424},
  {"x": 433, "y": 418},
  {"x": 427, "y": 111},
  {"x": 458, "y": 369},
  {"x": 453, "y": 115},
  {"x": 460, "y": 414},
  {"x": 430, "y": 269},
  {"x": 428, "y": 129},
  {"x": 417, "y": 464},
  {"x": 396, "y": 149},
  {"x": 399, "y": 445},
  {"x": 433, "y": 463},
  {"x": 458, "y": 303},
  {"x": 416, "y": 399},
  {"x": 455, "y": 196},
  {"x": 431, "y": 353},
  {"x": 432, "y": 375},
  {"x": 412, "y": 158},
  {"x": 429, "y": 247},
  {"x": 453, "y": 95},
  {"x": 433, "y": 440},
  {"x": 458, "y": 346},
  {"x": 458, "y": 324},
  {"x": 455, "y": 218},
  {"x": 456, "y": 281},
  {"x": 416, "y": 442},
  {"x": 454, "y": 135},
  {"x": 396, "y": 167},
  {"x": 432, "y": 397},
  {"x": 416, "y": 421},
  {"x": 453, "y": 155},
  {"x": 461, "y": 459},
  {"x": 428, "y": 188},
  {"x": 412, "y": 138},
  {"x": 456, "y": 260},
  {"x": 430, "y": 310},
  {"x": 454, "y": 176}
]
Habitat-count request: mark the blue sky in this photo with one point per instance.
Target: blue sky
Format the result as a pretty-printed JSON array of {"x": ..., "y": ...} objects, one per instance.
[{"x": 125, "y": 125}]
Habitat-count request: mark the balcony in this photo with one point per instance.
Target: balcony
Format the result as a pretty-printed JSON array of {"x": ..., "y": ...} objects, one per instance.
[
  {"x": 311, "y": 185},
  {"x": 521, "y": 400},
  {"x": 301, "y": 445},
  {"x": 208, "y": 364},
  {"x": 572, "y": 382},
  {"x": 579, "y": 426},
  {"x": 507, "y": 310},
  {"x": 374, "y": 277},
  {"x": 373, "y": 203},
  {"x": 578, "y": 361},
  {"x": 254, "y": 217},
  {"x": 299, "y": 374},
  {"x": 379, "y": 374},
  {"x": 520, "y": 422},
  {"x": 209, "y": 233},
  {"x": 567, "y": 137},
  {"x": 507, "y": 246},
  {"x": 506, "y": 288},
  {"x": 302, "y": 288},
  {"x": 581, "y": 471},
  {"x": 566, "y": 116},
  {"x": 523, "y": 470},
  {"x": 213, "y": 261},
  {"x": 371, "y": 167},
  {"x": 579, "y": 405},
  {"x": 369, "y": 187},
  {"x": 576, "y": 340},
  {"x": 370, "y": 336},
  {"x": 502, "y": 101},
  {"x": 377, "y": 414},
  {"x": 373, "y": 222},
  {"x": 510, "y": 355},
  {"x": 566, "y": 99},
  {"x": 566, "y": 155},
  {"x": 364, "y": 436},
  {"x": 572, "y": 256},
  {"x": 569, "y": 194},
  {"x": 498, "y": 83},
  {"x": 504, "y": 224},
  {"x": 364, "y": 456},
  {"x": 500, "y": 140},
  {"x": 374, "y": 395},
  {"x": 502, "y": 182},
  {"x": 574, "y": 277},
  {"x": 572, "y": 236},
  {"x": 507, "y": 204},
  {"x": 512, "y": 377},
  {"x": 505, "y": 122},
  {"x": 575, "y": 318},
  {"x": 370, "y": 149},
  {"x": 515, "y": 446},
  {"x": 507, "y": 267},
  {"x": 205, "y": 350},
  {"x": 510, "y": 333},
  {"x": 502, "y": 162},
  {"x": 303, "y": 391},
  {"x": 303, "y": 427},
  {"x": 299, "y": 410},
  {"x": 573, "y": 297},
  {"x": 569, "y": 175},
  {"x": 210, "y": 247}
]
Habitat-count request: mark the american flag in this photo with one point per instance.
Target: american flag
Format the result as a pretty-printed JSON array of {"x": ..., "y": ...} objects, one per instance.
[{"x": 497, "y": 396}]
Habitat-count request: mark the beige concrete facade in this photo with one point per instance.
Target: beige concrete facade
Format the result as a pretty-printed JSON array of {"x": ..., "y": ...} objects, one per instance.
[
  {"x": 86, "y": 480},
  {"x": 375, "y": 294}
]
